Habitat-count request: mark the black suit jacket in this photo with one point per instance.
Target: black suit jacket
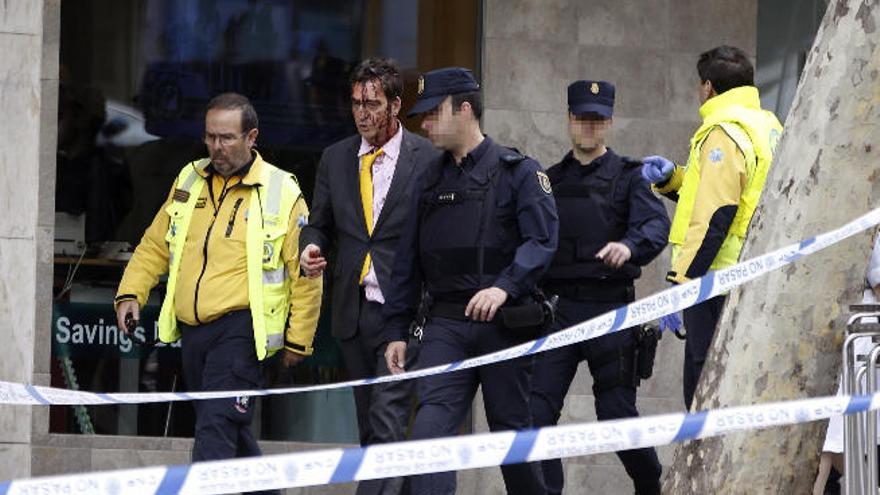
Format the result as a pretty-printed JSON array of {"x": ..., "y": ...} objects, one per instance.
[{"x": 336, "y": 219}]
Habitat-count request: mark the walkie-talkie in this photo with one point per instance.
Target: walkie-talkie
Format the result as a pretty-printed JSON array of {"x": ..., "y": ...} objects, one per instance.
[
  {"x": 130, "y": 326},
  {"x": 130, "y": 323}
]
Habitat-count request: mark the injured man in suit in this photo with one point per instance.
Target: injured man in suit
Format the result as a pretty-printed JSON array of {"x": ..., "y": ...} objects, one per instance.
[{"x": 363, "y": 190}]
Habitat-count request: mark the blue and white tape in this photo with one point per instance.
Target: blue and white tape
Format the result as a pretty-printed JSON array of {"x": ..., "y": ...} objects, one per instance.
[
  {"x": 642, "y": 311},
  {"x": 322, "y": 467}
]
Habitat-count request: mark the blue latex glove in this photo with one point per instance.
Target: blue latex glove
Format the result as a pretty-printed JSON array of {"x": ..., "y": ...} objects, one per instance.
[
  {"x": 656, "y": 169},
  {"x": 670, "y": 322}
]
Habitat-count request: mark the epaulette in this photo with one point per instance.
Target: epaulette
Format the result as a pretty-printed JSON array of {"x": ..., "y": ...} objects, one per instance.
[
  {"x": 631, "y": 162},
  {"x": 512, "y": 157}
]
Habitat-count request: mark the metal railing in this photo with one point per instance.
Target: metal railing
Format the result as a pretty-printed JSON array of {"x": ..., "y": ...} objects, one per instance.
[{"x": 860, "y": 378}]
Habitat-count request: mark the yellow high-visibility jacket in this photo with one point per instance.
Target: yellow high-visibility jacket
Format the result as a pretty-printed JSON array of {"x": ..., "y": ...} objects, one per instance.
[
  {"x": 719, "y": 188},
  {"x": 229, "y": 246}
]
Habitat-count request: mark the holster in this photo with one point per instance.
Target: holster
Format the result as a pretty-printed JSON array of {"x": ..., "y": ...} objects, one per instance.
[
  {"x": 530, "y": 320},
  {"x": 647, "y": 337}
]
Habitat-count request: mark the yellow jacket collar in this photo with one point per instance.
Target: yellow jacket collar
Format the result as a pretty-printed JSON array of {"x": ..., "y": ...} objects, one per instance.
[
  {"x": 255, "y": 173},
  {"x": 743, "y": 96},
  {"x": 252, "y": 178}
]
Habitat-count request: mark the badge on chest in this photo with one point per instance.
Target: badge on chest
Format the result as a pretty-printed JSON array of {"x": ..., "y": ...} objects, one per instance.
[{"x": 446, "y": 197}]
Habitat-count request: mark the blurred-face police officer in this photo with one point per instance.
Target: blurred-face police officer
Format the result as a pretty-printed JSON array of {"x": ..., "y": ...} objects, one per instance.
[
  {"x": 227, "y": 238},
  {"x": 717, "y": 191},
  {"x": 480, "y": 237},
  {"x": 610, "y": 224}
]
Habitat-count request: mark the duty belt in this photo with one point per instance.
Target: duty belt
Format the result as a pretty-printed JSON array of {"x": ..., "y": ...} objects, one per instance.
[
  {"x": 451, "y": 310},
  {"x": 593, "y": 292}
]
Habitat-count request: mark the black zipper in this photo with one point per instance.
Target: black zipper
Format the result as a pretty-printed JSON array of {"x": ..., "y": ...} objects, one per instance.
[
  {"x": 231, "y": 223},
  {"x": 207, "y": 237}
]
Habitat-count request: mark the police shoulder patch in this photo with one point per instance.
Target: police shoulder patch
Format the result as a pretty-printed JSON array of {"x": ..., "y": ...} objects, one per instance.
[
  {"x": 716, "y": 155},
  {"x": 544, "y": 181}
]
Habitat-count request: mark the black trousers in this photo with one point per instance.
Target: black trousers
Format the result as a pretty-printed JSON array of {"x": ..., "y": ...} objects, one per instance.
[
  {"x": 221, "y": 356},
  {"x": 700, "y": 322},
  {"x": 382, "y": 409},
  {"x": 613, "y": 389},
  {"x": 444, "y": 400}
]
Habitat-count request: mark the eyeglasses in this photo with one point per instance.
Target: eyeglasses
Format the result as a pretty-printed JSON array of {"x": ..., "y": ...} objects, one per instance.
[{"x": 223, "y": 139}]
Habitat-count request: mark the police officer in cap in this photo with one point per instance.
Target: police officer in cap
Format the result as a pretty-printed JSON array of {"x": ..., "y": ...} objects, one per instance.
[
  {"x": 480, "y": 237},
  {"x": 610, "y": 224}
]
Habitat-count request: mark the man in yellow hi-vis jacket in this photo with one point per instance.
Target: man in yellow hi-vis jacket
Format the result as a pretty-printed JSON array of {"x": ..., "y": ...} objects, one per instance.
[
  {"x": 227, "y": 236},
  {"x": 718, "y": 190}
]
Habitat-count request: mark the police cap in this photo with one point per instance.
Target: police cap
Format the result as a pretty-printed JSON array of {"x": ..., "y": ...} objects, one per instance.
[
  {"x": 436, "y": 85},
  {"x": 591, "y": 97}
]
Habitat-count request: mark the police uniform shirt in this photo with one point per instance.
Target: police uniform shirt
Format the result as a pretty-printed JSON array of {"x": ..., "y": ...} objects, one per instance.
[
  {"x": 632, "y": 203},
  {"x": 523, "y": 193}
]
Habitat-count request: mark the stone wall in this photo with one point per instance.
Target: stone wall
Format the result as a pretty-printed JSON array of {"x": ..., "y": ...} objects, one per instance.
[{"x": 28, "y": 97}]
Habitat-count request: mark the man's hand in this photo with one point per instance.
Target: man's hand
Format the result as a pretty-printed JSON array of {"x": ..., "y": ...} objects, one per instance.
[
  {"x": 657, "y": 169},
  {"x": 291, "y": 358},
  {"x": 123, "y": 310},
  {"x": 395, "y": 356},
  {"x": 614, "y": 254},
  {"x": 311, "y": 261},
  {"x": 484, "y": 304}
]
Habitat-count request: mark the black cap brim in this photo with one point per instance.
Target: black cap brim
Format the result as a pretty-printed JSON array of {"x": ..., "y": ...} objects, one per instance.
[
  {"x": 425, "y": 105},
  {"x": 603, "y": 110}
]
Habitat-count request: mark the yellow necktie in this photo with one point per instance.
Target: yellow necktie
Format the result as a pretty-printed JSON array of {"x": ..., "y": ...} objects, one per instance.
[{"x": 366, "y": 182}]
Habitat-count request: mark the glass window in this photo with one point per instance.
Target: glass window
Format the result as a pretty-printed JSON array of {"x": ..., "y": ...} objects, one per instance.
[
  {"x": 135, "y": 78},
  {"x": 786, "y": 30}
]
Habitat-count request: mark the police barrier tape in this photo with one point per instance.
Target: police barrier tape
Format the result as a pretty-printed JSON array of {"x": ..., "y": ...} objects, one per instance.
[
  {"x": 321, "y": 467},
  {"x": 636, "y": 313}
]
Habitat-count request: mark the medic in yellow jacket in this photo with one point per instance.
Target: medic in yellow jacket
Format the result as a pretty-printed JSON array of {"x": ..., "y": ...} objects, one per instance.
[
  {"x": 719, "y": 188},
  {"x": 717, "y": 191},
  {"x": 212, "y": 276}
]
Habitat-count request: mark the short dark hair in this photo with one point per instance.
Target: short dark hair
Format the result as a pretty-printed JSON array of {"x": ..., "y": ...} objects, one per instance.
[
  {"x": 379, "y": 69},
  {"x": 235, "y": 101},
  {"x": 726, "y": 67},
  {"x": 474, "y": 98}
]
